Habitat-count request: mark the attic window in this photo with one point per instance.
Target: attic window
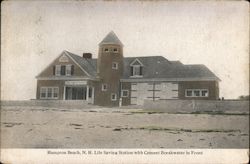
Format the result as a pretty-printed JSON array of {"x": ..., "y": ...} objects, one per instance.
[{"x": 62, "y": 70}]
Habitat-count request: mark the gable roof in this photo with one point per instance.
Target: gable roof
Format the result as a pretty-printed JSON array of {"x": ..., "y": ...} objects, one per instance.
[
  {"x": 111, "y": 38},
  {"x": 136, "y": 62},
  {"x": 154, "y": 67}
]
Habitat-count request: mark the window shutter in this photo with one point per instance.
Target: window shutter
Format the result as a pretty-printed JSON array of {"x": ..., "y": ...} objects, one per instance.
[
  {"x": 72, "y": 69},
  {"x": 131, "y": 71},
  {"x": 140, "y": 70},
  {"x": 54, "y": 70}
]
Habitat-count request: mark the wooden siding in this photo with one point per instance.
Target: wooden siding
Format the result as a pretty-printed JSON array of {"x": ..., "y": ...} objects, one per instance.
[
  {"x": 212, "y": 87},
  {"x": 48, "y": 72},
  {"x": 126, "y": 100}
]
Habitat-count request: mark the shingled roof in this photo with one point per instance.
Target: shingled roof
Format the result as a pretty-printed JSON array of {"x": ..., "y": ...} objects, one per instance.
[
  {"x": 158, "y": 67},
  {"x": 89, "y": 65},
  {"x": 154, "y": 67},
  {"x": 111, "y": 38}
]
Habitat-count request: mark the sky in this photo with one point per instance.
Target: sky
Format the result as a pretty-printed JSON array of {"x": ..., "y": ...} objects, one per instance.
[{"x": 213, "y": 33}]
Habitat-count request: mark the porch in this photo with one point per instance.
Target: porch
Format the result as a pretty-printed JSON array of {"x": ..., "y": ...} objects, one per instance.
[{"x": 78, "y": 90}]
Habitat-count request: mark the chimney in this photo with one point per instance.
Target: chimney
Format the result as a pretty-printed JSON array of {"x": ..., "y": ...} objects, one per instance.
[{"x": 87, "y": 55}]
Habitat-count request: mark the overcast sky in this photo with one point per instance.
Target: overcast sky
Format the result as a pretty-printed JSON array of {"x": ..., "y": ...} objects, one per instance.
[{"x": 214, "y": 33}]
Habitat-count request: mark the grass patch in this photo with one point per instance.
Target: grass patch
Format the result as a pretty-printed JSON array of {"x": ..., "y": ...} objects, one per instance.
[
  {"x": 145, "y": 112},
  {"x": 178, "y": 130},
  {"x": 218, "y": 113},
  {"x": 196, "y": 112},
  {"x": 213, "y": 113},
  {"x": 75, "y": 124}
]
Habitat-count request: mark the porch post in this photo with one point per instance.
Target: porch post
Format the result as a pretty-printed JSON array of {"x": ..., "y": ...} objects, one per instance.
[
  {"x": 87, "y": 93},
  {"x": 93, "y": 95},
  {"x": 64, "y": 92}
]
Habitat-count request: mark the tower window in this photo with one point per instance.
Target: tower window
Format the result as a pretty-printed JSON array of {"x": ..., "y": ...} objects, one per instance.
[
  {"x": 113, "y": 97},
  {"x": 106, "y": 50},
  {"x": 104, "y": 87},
  {"x": 115, "y": 50},
  {"x": 114, "y": 65}
]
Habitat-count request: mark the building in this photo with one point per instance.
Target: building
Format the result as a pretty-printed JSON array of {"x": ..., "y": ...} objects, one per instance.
[{"x": 112, "y": 80}]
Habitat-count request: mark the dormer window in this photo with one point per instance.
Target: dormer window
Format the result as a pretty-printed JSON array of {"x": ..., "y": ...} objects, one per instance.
[{"x": 136, "y": 68}]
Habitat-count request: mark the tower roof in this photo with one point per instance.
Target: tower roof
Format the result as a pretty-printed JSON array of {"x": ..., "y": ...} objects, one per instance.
[{"x": 111, "y": 38}]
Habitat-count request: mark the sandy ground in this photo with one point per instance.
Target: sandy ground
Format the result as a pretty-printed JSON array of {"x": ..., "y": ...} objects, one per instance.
[{"x": 36, "y": 127}]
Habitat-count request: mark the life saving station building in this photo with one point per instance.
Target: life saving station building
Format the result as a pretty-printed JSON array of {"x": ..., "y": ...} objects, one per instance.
[{"x": 112, "y": 79}]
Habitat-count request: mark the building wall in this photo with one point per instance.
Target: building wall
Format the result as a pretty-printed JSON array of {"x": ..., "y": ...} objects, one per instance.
[
  {"x": 212, "y": 87},
  {"x": 57, "y": 83},
  {"x": 50, "y": 83}
]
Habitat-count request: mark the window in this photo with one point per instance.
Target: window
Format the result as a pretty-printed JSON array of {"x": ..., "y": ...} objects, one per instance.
[
  {"x": 124, "y": 93},
  {"x": 55, "y": 92},
  {"x": 189, "y": 93},
  {"x": 115, "y": 50},
  {"x": 68, "y": 70},
  {"x": 114, "y": 65},
  {"x": 106, "y": 50},
  {"x": 196, "y": 93},
  {"x": 49, "y": 92},
  {"x": 204, "y": 93},
  {"x": 104, "y": 87},
  {"x": 58, "y": 70},
  {"x": 63, "y": 70},
  {"x": 43, "y": 93},
  {"x": 113, "y": 97},
  {"x": 136, "y": 68}
]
